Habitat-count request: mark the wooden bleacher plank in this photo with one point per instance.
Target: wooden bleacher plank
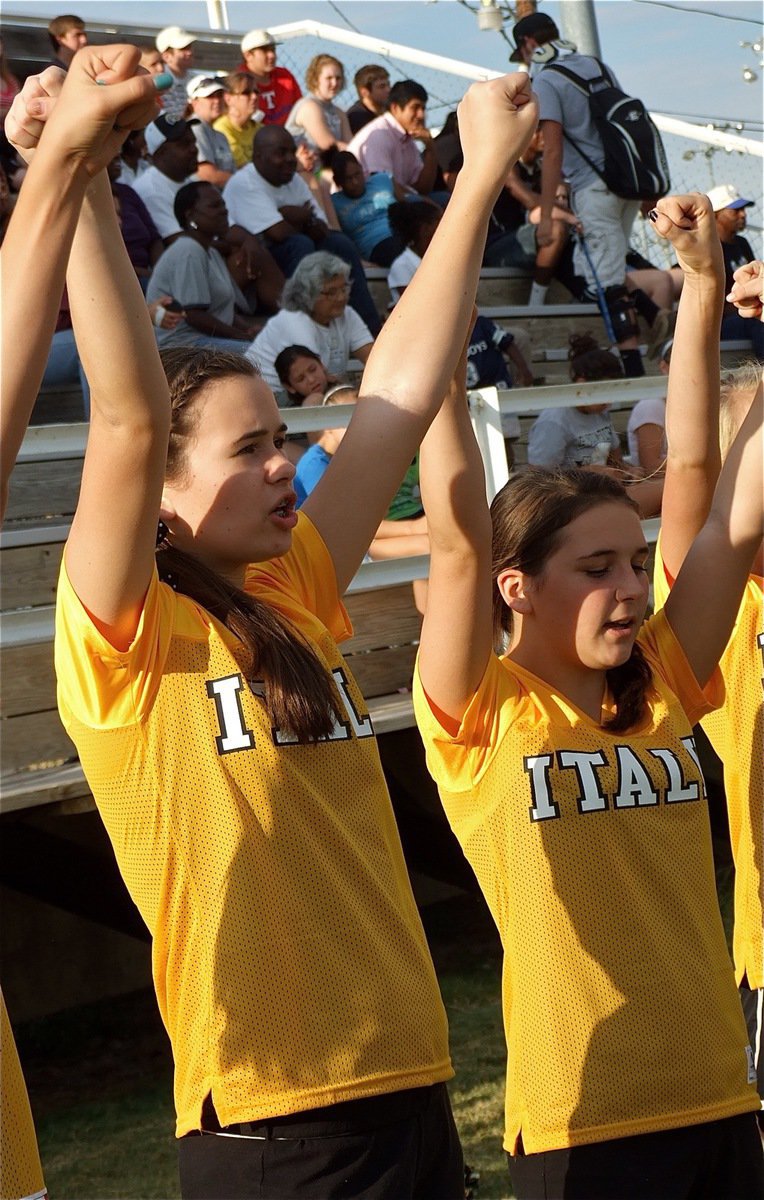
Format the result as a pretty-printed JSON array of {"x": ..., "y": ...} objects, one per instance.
[
  {"x": 387, "y": 616},
  {"x": 29, "y": 682},
  {"x": 29, "y": 575},
  {"x": 44, "y": 492},
  {"x": 33, "y": 742}
]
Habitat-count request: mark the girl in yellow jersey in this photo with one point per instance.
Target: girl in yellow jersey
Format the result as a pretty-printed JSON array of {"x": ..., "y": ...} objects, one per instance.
[
  {"x": 568, "y": 771},
  {"x": 736, "y": 729},
  {"x": 227, "y": 747},
  {"x": 38, "y": 238}
]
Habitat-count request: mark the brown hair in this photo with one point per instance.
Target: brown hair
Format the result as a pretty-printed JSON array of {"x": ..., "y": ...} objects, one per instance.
[
  {"x": 299, "y": 694},
  {"x": 60, "y": 26},
  {"x": 367, "y": 75},
  {"x": 589, "y": 362},
  {"x": 313, "y": 69},
  {"x": 238, "y": 82},
  {"x": 737, "y": 392},
  {"x": 528, "y": 516}
]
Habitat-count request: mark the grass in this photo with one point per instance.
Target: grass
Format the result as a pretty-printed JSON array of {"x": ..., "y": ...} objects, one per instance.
[{"x": 100, "y": 1077}]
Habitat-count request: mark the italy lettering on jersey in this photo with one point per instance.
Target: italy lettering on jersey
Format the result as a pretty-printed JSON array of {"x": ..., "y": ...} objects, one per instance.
[
  {"x": 635, "y": 787},
  {"x": 593, "y": 851},
  {"x": 234, "y": 736}
]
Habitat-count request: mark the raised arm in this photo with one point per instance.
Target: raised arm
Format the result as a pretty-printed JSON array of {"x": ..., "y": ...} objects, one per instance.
[
  {"x": 705, "y": 599},
  {"x": 81, "y": 140},
  {"x": 458, "y": 613},
  {"x": 413, "y": 360},
  {"x": 692, "y": 406},
  {"x": 110, "y": 552}
]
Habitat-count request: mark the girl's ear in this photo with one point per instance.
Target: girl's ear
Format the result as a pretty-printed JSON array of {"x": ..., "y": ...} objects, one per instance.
[{"x": 515, "y": 588}]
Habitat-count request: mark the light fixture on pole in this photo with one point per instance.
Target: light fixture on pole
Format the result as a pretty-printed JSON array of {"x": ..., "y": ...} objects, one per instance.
[{"x": 490, "y": 17}]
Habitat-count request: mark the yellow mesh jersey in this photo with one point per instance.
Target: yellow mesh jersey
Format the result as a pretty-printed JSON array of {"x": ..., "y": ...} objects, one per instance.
[
  {"x": 736, "y": 732},
  {"x": 289, "y": 961},
  {"x": 20, "y": 1170},
  {"x": 593, "y": 851}
]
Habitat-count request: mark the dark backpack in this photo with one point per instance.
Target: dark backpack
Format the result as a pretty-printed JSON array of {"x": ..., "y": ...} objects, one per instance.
[{"x": 635, "y": 160}]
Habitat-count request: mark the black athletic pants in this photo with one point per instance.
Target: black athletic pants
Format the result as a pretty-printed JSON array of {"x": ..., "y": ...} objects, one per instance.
[
  {"x": 719, "y": 1160},
  {"x": 402, "y": 1146}
]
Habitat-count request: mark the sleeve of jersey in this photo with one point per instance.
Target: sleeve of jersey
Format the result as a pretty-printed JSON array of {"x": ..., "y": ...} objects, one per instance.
[
  {"x": 456, "y": 761},
  {"x": 306, "y": 574},
  {"x": 668, "y": 662},
  {"x": 98, "y": 685}
]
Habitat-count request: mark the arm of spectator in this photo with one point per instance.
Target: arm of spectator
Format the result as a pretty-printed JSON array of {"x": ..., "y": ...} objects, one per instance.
[
  {"x": 80, "y": 141},
  {"x": 426, "y": 178},
  {"x": 692, "y": 404},
  {"x": 520, "y": 190},
  {"x": 211, "y": 173},
  {"x": 161, "y": 316},
  {"x": 551, "y": 176},
  {"x": 650, "y": 447},
  {"x": 312, "y": 120},
  {"x": 522, "y": 373},
  {"x": 204, "y": 322}
]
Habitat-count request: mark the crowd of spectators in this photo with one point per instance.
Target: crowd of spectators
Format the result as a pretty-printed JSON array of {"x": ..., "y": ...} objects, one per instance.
[{"x": 252, "y": 204}]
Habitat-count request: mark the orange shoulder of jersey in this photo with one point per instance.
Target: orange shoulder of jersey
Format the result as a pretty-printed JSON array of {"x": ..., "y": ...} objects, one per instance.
[{"x": 736, "y": 732}]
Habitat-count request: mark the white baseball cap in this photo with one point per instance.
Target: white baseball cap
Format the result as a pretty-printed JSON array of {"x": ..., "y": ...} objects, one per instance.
[
  {"x": 201, "y": 86},
  {"x": 726, "y": 195},
  {"x": 166, "y": 129},
  {"x": 174, "y": 38},
  {"x": 256, "y": 38}
]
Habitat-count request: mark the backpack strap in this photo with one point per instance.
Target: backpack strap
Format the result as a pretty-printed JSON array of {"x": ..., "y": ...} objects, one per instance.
[{"x": 581, "y": 84}]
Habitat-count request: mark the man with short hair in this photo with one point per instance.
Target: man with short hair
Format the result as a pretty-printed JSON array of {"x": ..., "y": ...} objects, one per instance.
[
  {"x": 176, "y": 47},
  {"x": 277, "y": 89},
  {"x": 372, "y": 83},
  {"x": 237, "y": 123},
  {"x": 389, "y": 142},
  {"x": 172, "y": 146},
  {"x": 67, "y": 36},
  {"x": 565, "y": 118},
  {"x": 729, "y": 213},
  {"x": 215, "y": 160},
  {"x": 269, "y": 198}
]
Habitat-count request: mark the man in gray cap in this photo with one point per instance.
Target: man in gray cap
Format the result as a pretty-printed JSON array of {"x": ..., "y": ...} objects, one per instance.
[
  {"x": 565, "y": 119},
  {"x": 729, "y": 213},
  {"x": 277, "y": 89}
]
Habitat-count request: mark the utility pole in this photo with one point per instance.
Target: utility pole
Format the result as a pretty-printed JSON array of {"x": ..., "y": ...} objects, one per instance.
[{"x": 579, "y": 25}]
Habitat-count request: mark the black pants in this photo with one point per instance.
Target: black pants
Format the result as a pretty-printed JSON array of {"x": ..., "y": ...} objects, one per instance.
[
  {"x": 719, "y": 1160},
  {"x": 402, "y": 1146}
]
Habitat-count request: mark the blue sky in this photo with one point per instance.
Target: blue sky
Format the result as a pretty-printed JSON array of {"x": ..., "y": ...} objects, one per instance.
[{"x": 677, "y": 61}]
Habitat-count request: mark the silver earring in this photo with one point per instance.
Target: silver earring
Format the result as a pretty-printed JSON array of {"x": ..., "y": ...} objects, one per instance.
[{"x": 192, "y": 225}]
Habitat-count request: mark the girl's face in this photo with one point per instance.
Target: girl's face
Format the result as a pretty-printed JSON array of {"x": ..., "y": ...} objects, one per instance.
[
  {"x": 329, "y": 82},
  {"x": 588, "y": 603},
  {"x": 307, "y": 375},
  {"x": 235, "y": 502}
]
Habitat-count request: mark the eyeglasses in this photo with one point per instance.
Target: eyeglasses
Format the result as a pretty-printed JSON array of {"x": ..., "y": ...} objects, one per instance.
[{"x": 334, "y": 293}]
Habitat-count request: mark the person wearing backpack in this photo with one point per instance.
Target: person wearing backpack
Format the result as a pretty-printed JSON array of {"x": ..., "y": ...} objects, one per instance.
[{"x": 588, "y": 123}]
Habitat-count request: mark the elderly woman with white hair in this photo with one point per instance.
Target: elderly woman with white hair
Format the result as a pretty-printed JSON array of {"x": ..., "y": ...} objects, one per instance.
[{"x": 314, "y": 313}]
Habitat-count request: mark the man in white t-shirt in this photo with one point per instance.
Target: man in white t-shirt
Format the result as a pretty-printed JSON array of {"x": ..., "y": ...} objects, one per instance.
[
  {"x": 172, "y": 145},
  {"x": 564, "y": 118},
  {"x": 269, "y": 198}
]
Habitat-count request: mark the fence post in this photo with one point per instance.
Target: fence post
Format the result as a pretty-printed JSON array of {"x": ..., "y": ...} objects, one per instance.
[{"x": 486, "y": 421}]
